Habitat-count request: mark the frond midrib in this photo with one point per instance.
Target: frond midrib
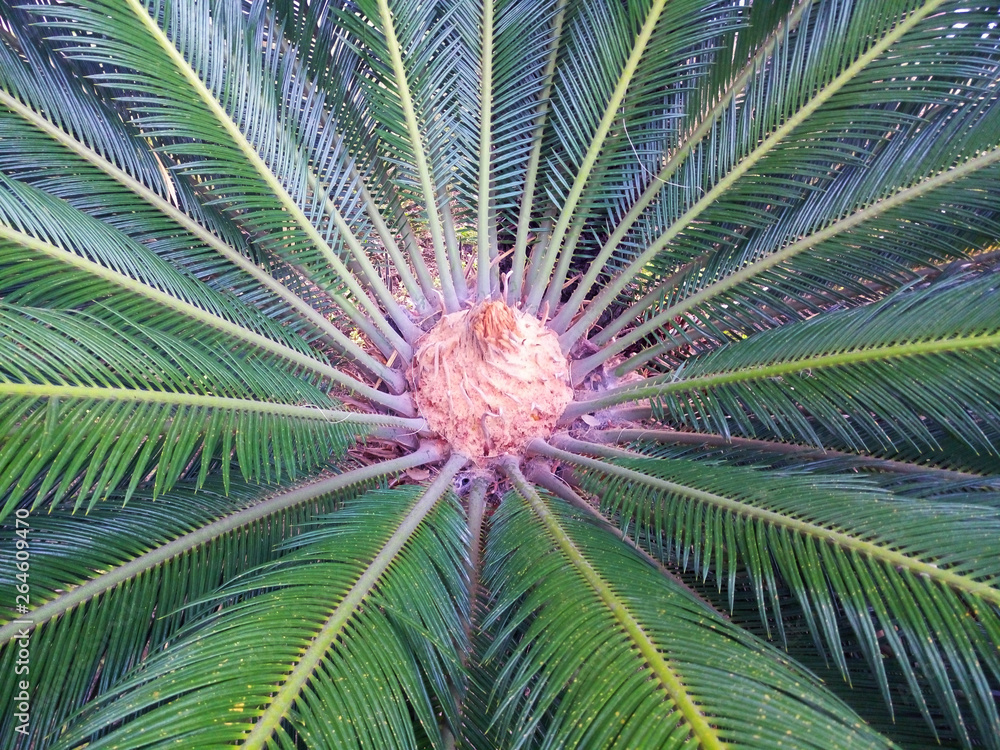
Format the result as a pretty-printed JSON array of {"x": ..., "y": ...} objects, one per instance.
[
  {"x": 663, "y": 385},
  {"x": 195, "y": 313},
  {"x": 446, "y": 261},
  {"x": 672, "y": 683},
  {"x": 152, "y": 198},
  {"x": 485, "y": 262},
  {"x": 265, "y": 173},
  {"x": 659, "y": 435},
  {"x": 613, "y": 289},
  {"x": 572, "y": 449},
  {"x": 137, "y": 566},
  {"x": 176, "y": 398},
  {"x": 287, "y": 693}
]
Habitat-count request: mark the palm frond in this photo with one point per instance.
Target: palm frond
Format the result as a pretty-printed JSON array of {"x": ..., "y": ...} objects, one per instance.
[
  {"x": 115, "y": 411},
  {"x": 758, "y": 242},
  {"x": 138, "y": 571},
  {"x": 70, "y": 134},
  {"x": 355, "y": 577},
  {"x": 603, "y": 46},
  {"x": 331, "y": 56},
  {"x": 148, "y": 406},
  {"x": 915, "y": 577},
  {"x": 680, "y": 55},
  {"x": 253, "y": 145},
  {"x": 870, "y": 377},
  {"x": 755, "y": 41},
  {"x": 901, "y": 721},
  {"x": 583, "y": 623},
  {"x": 417, "y": 66},
  {"x": 709, "y": 211},
  {"x": 909, "y": 475},
  {"x": 97, "y": 261}
]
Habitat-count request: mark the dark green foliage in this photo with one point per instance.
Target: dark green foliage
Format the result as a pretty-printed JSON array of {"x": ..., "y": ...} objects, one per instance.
[{"x": 765, "y": 235}]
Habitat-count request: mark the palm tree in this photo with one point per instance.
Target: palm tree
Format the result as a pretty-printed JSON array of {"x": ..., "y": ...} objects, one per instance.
[{"x": 499, "y": 374}]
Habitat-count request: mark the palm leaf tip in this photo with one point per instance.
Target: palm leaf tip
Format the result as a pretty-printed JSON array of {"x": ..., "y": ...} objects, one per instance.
[{"x": 760, "y": 239}]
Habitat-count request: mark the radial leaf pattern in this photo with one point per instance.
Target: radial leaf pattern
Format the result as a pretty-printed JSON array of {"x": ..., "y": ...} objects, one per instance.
[{"x": 244, "y": 243}]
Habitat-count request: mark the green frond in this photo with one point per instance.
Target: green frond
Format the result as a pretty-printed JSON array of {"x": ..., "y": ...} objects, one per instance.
[
  {"x": 330, "y": 55},
  {"x": 523, "y": 34},
  {"x": 595, "y": 72},
  {"x": 61, "y": 139},
  {"x": 869, "y": 378},
  {"x": 915, "y": 578},
  {"x": 322, "y": 607},
  {"x": 417, "y": 67},
  {"x": 35, "y": 225},
  {"x": 135, "y": 574},
  {"x": 901, "y": 721},
  {"x": 680, "y": 54},
  {"x": 598, "y": 650},
  {"x": 255, "y": 146},
  {"x": 161, "y": 403},
  {"x": 711, "y": 213},
  {"x": 40, "y": 233},
  {"x": 69, "y": 662},
  {"x": 910, "y": 474},
  {"x": 551, "y": 43},
  {"x": 766, "y": 26}
]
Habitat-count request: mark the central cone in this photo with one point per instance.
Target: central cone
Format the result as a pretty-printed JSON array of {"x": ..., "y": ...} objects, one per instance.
[{"x": 490, "y": 379}]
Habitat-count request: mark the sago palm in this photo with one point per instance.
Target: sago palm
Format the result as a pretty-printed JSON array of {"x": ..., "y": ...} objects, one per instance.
[{"x": 499, "y": 373}]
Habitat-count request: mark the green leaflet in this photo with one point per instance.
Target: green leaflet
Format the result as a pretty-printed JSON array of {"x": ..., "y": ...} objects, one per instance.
[
  {"x": 570, "y": 624},
  {"x": 113, "y": 410},
  {"x": 916, "y": 577},
  {"x": 871, "y": 378},
  {"x": 287, "y": 612}
]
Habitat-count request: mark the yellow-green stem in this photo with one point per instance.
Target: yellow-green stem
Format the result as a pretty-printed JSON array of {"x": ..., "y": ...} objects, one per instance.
[
  {"x": 138, "y": 566},
  {"x": 399, "y": 403},
  {"x": 662, "y": 385},
  {"x": 265, "y": 173},
  {"x": 706, "y": 735},
  {"x": 286, "y": 694},
  {"x": 541, "y": 276},
  {"x": 569, "y": 450},
  {"x": 608, "y": 295}
]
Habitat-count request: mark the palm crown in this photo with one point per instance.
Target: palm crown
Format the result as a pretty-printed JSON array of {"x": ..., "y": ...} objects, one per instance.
[{"x": 515, "y": 374}]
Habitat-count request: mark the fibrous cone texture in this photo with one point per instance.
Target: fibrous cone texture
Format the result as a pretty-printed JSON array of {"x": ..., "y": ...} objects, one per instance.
[{"x": 490, "y": 379}]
